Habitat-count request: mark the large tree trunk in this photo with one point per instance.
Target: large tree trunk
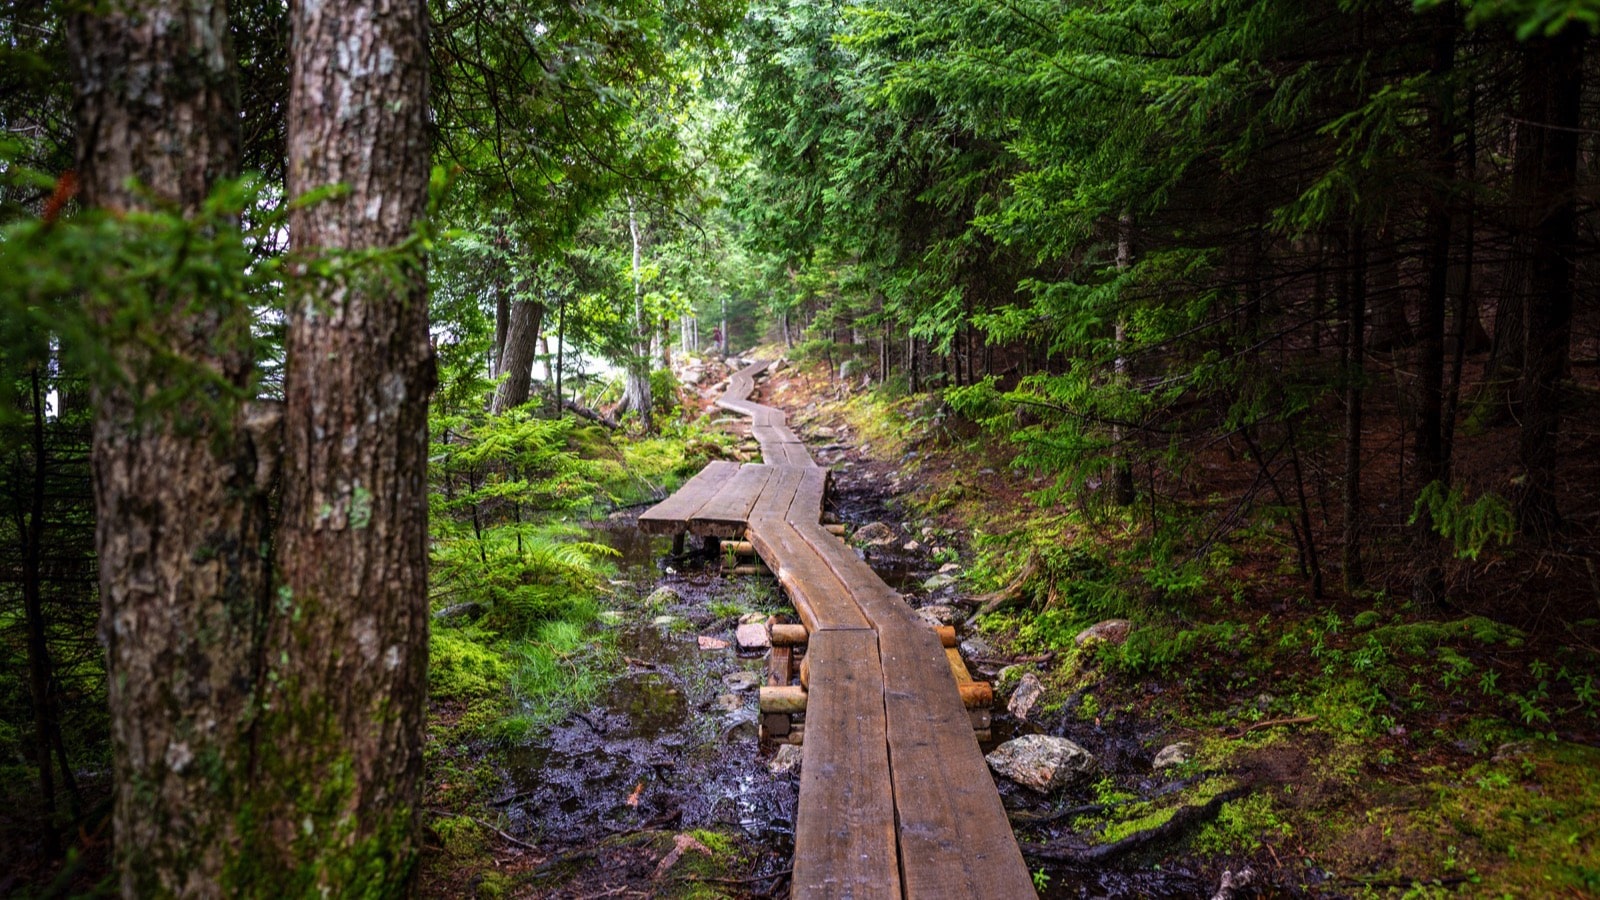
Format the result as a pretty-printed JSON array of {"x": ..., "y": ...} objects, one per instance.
[
  {"x": 1556, "y": 66},
  {"x": 522, "y": 344},
  {"x": 180, "y": 517},
  {"x": 1428, "y": 585},
  {"x": 349, "y": 633}
]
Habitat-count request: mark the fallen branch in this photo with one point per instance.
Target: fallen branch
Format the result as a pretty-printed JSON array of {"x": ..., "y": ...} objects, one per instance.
[
  {"x": 1291, "y": 720},
  {"x": 1183, "y": 819},
  {"x": 584, "y": 412}
]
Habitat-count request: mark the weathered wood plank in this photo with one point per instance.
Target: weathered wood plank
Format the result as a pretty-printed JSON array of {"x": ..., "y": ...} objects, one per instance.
[
  {"x": 845, "y": 844},
  {"x": 778, "y": 494},
  {"x": 672, "y": 515},
  {"x": 724, "y": 515},
  {"x": 817, "y": 594}
]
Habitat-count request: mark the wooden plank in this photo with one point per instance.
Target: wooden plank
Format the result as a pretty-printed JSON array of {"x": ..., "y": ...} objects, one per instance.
[
  {"x": 808, "y": 498},
  {"x": 955, "y": 840},
  {"x": 724, "y": 515},
  {"x": 818, "y": 597},
  {"x": 844, "y": 836},
  {"x": 778, "y": 494},
  {"x": 672, "y": 515}
]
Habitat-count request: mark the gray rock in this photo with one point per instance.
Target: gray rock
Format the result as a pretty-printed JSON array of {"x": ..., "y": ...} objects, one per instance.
[
  {"x": 911, "y": 547},
  {"x": 460, "y": 612},
  {"x": 663, "y": 596},
  {"x": 741, "y": 726},
  {"x": 1026, "y": 696},
  {"x": 1042, "y": 762},
  {"x": 664, "y": 621},
  {"x": 875, "y": 534},
  {"x": 1173, "y": 755},
  {"x": 949, "y": 569},
  {"x": 752, "y": 636},
  {"x": 729, "y": 702},
  {"x": 976, "y": 646},
  {"x": 823, "y": 431},
  {"x": 786, "y": 760},
  {"x": 1112, "y": 631},
  {"x": 742, "y": 680},
  {"x": 941, "y": 614},
  {"x": 938, "y": 582}
]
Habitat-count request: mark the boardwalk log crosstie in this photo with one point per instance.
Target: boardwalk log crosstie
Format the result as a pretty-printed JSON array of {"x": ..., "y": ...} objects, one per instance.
[{"x": 895, "y": 798}]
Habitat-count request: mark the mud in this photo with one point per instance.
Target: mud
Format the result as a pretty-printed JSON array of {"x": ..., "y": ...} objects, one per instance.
[{"x": 663, "y": 748}]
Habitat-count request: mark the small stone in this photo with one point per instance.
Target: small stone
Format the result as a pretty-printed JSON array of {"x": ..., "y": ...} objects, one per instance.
[
  {"x": 729, "y": 702},
  {"x": 1042, "y": 762},
  {"x": 911, "y": 547},
  {"x": 664, "y": 621},
  {"x": 1026, "y": 696},
  {"x": 663, "y": 596},
  {"x": 1112, "y": 631},
  {"x": 786, "y": 760},
  {"x": 874, "y": 534},
  {"x": 752, "y": 636},
  {"x": 941, "y": 614},
  {"x": 1173, "y": 755},
  {"x": 712, "y": 643},
  {"x": 938, "y": 582},
  {"x": 976, "y": 647},
  {"x": 755, "y": 618},
  {"x": 823, "y": 431},
  {"x": 949, "y": 569},
  {"x": 612, "y": 616},
  {"x": 742, "y": 680}
]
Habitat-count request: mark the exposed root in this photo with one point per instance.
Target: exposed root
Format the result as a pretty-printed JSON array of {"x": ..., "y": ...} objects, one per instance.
[{"x": 1182, "y": 820}]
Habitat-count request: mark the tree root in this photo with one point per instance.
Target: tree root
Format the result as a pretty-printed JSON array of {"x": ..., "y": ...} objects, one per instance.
[{"x": 1012, "y": 593}]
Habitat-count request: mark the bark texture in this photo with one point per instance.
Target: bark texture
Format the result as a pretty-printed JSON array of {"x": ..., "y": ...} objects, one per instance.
[
  {"x": 181, "y": 512},
  {"x": 522, "y": 340},
  {"x": 349, "y": 631}
]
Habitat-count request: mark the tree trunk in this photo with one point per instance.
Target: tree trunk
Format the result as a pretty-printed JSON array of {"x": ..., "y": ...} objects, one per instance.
[
  {"x": 1557, "y": 65},
  {"x": 636, "y": 374},
  {"x": 1355, "y": 310},
  {"x": 1122, "y": 492},
  {"x": 1428, "y": 586},
  {"x": 522, "y": 344},
  {"x": 180, "y": 517},
  {"x": 349, "y": 635},
  {"x": 31, "y": 531}
]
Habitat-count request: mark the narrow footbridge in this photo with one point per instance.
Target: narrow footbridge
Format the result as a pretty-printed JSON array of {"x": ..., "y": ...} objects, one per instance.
[{"x": 895, "y": 797}]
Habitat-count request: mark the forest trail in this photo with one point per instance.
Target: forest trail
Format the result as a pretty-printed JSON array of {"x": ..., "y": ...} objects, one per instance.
[{"x": 895, "y": 797}]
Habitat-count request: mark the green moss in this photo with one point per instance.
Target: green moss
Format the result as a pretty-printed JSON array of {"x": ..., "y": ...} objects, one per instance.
[
  {"x": 462, "y": 665},
  {"x": 1417, "y": 638}
]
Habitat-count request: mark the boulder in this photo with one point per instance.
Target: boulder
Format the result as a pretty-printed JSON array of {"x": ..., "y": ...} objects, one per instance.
[
  {"x": 752, "y": 636},
  {"x": 1112, "y": 631},
  {"x": 786, "y": 760},
  {"x": 1173, "y": 755},
  {"x": 741, "y": 726},
  {"x": 1042, "y": 762},
  {"x": 941, "y": 614},
  {"x": 1026, "y": 696},
  {"x": 875, "y": 534}
]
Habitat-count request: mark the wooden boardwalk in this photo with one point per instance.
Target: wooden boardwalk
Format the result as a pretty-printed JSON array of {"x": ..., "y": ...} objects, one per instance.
[{"x": 895, "y": 797}]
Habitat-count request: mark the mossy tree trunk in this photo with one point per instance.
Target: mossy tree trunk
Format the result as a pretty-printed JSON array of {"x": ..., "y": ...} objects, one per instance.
[
  {"x": 181, "y": 514},
  {"x": 347, "y": 659}
]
